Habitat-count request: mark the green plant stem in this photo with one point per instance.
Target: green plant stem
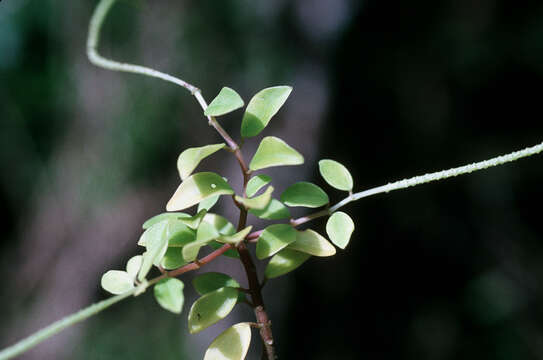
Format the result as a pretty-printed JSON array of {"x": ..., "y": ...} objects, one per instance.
[
  {"x": 417, "y": 180},
  {"x": 56, "y": 327}
]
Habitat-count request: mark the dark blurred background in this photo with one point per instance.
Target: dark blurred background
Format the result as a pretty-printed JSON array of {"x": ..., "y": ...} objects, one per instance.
[{"x": 391, "y": 89}]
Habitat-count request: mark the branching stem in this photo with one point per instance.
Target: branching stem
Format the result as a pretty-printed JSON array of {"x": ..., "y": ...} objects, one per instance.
[{"x": 254, "y": 290}]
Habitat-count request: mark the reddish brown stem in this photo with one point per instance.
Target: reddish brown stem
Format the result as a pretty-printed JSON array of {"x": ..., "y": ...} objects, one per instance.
[{"x": 199, "y": 263}]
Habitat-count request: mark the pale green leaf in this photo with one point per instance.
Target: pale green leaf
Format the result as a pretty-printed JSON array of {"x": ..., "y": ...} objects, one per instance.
[
  {"x": 211, "y": 307},
  {"x": 156, "y": 244},
  {"x": 164, "y": 216},
  {"x": 231, "y": 344},
  {"x": 133, "y": 265},
  {"x": 194, "y": 221},
  {"x": 262, "y": 107},
  {"x": 336, "y": 175},
  {"x": 173, "y": 259},
  {"x": 169, "y": 294},
  {"x": 227, "y": 101},
  {"x": 236, "y": 238},
  {"x": 258, "y": 202},
  {"x": 311, "y": 242},
  {"x": 256, "y": 183},
  {"x": 179, "y": 234},
  {"x": 273, "y": 239},
  {"x": 285, "y": 261},
  {"x": 208, "y": 203},
  {"x": 212, "y": 281},
  {"x": 223, "y": 226},
  {"x": 117, "y": 282},
  {"x": 191, "y": 250},
  {"x": 274, "y": 211},
  {"x": 197, "y": 188},
  {"x": 339, "y": 228},
  {"x": 304, "y": 194},
  {"x": 273, "y": 151},
  {"x": 206, "y": 232},
  {"x": 190, "y": 158}
]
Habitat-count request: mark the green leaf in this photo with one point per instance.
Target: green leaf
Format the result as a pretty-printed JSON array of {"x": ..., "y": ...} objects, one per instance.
[
  {"x": 169, "y": 294},
  {"x": 256, "y": 183},
  {"x": 173, "y": 259},
  {"x": 197, "y": 188},
  {"x": 232, "y": 253},
  {"x": 236, "y": 238},
  {"x": 208, "y": 203},
  {"x": 179, "y": 234},
  {"x": 117, "y": 282},
  {"x": 212, "y": 281},
  {"x": 156, "y": 244},
  {"x": 304, "y": 194},
  {"x": 273, "y": 239},
  {"x": 274, "y": 211},
  {"x": 164, "y": 216},
  {"x": 190, "y": 158},
  {"x": 133, "y": 265},
  {"x": 231, "y": 344},
  {"x": 336, "y": 175},
  {"x": 273, "y": 151},
  {"x": 262, "y": 107},
  {"x": 211, "y": 308},
  {"x": 227, "y": 101},
  {"x": 223, "y": 226},
  {"x": 312, "y": 243},
  {"x": 259, "y": 202},
  {"x": 285, "y": 261},
  {"x": 206, "y": 232},
  {"x": 191, "y": 250},
  {"x": 194, "y": 221},
  {"x": 339, "y": 228}
]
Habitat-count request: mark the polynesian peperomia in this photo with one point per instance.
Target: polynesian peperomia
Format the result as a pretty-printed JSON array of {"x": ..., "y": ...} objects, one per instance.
[{"x": 173, "y": 240}]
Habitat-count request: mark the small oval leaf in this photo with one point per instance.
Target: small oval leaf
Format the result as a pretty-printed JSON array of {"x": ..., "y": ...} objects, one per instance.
[
  {"x": 273, "y": 239},
  {"x": 178, "y": 233},
  {"x": 227, "y": 101},
  {"x": 189, "y": 159},
  {"x": 117, "y": 282},
  {"x": 212, "y": 281},
  {"x": 223, "y": 226},
  {"x": 197, "y": 188},
  {"x": 336, "y": 175},
  {"x": 262, "y": 107},
  {"x": 236, "y": 238},
  {"x": 231, "y": 344},
  {"x": 273, "y": 151},
  {"x": 258, "y": 202},
  {"x": 274, "y": 211},
  {"x": 311, "y": 242},
  {"x": 133, "y": 265},
  {"x": 304, "y": 194},
  {"x": 256, "y": 183},
  {"x": 208, "y": 203},
  {"x": 173, "y": 259},
  {"x": 164, "y": 216},
  {"x": 194, "y": 221},
  {"x": 211, "y": 307},
  {"x": 169, "y": 294},
  {"x": 339, "y": 228},
  {"x": 285, "y": 261},
  {"x": 156, "y": 244}
]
